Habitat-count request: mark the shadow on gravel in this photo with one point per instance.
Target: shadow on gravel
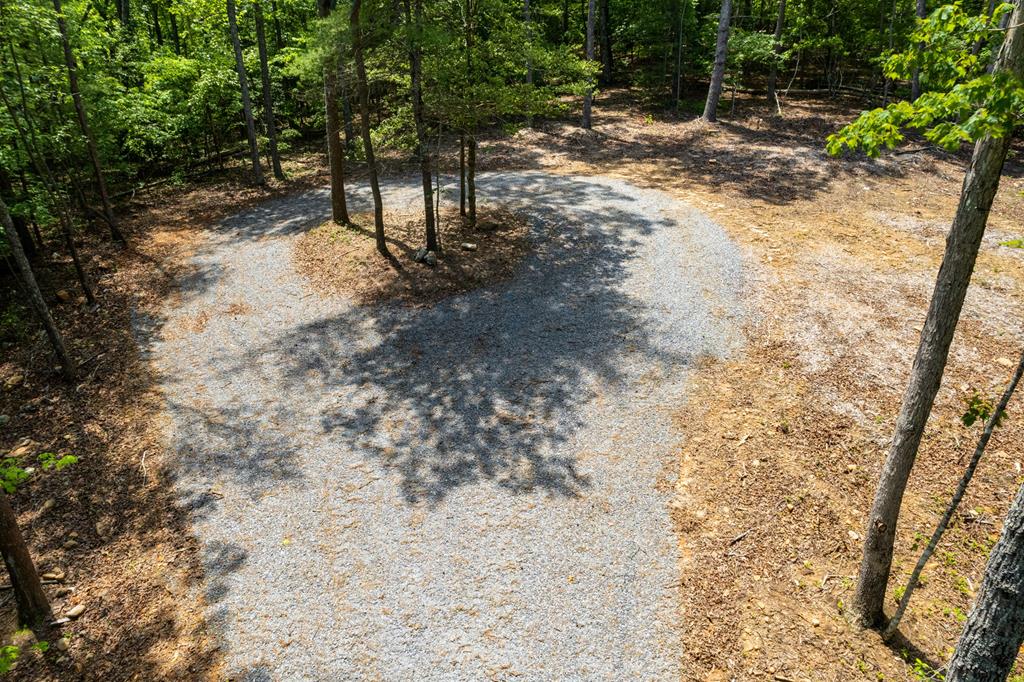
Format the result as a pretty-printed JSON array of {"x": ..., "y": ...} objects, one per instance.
[{"x": 483, "y": 387}]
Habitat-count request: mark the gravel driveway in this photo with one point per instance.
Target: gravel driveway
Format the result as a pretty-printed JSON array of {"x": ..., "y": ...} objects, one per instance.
[{"x": 473, "y": 490}]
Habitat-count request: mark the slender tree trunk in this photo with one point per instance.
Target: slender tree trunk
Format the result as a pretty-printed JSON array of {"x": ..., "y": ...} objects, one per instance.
[
  {"x": 471, "y": 179},
  {"x": 773, "y": 74},
  {"x": 462, "y": 175},
  {"x": 83, "y": 122},
  {"x": 589, "y": 97},
  {"x": 677, "y": 71},
  {"x": 915, "y": 79},
  {"x": 994, "y": 630},
  {"x": 718, "y": 72},
  {"x": 243, "y": 82},
  {"x": 33, "y": 607},
  {"x": 565, "y": 21},
  {"x": 275, "y": 17},
  {"x": 20, "y": 224},
  {"x": 606, "y": 43},
  {"x": 346, "y": 109},
  {"x": 994, "y": 419},
  {"x": 529, "y": 58},
  {"x": 414, "y": 20},
  {"x": 268, "y": 100},
  {"x": 175, "y": 36},
  {"x": 363, "y": 91},
  {"x": 35, "y": 296},
  {"x": 155, "y": 12},
  {"x": 979, "y": 190},
  {"x": 335, "y": 151},
  {"x": 892, "y": 40}
]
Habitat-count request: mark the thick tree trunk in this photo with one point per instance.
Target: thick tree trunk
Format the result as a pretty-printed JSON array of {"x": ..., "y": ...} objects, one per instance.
[
  {"x": 718, "y": 72},
  {"x": 915, "y": 79},
  {"x": 363, "y": 91},
  {"x": 243, "y": 82},
  {"x": 589, "y": 97},
  {"x": 606, "y": 44},
  {"x": 415, "y": 22},
  {"x": 83, "y": 122},
  {"x": 35, "y": 296},
  {"x": 979, "y": 190},
  {"x": 268, "y": 100},
  {"x": 994, "y": 630},
  {"x": 33, "y": 607},
  {"x": 773, "y": 74}
]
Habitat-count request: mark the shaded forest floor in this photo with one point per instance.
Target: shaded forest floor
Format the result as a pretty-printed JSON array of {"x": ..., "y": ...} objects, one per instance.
[{"x": 791, "y": 434}]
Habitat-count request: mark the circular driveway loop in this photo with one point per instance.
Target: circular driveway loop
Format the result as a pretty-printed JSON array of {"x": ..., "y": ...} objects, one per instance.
[{"x": 473, "y": 490}]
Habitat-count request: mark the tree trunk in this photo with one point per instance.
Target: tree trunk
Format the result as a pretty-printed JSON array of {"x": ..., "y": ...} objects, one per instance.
[
  {"x": 274, "y": 16},
  {"x": 83, "y": 122},
  {"x": 915, "y": 79},
  {"x": 33, "y": 607},
  {"x": 471, "y": 179},
  {"x": 268, "y": 100},
  {"x": 363, "y": 91},
  {"x": 994, "y": 630},
  {"x": 529, "y": 58},
  {"x": 335, "y": 150},
  {"x": 994, "y": 419},
  {"x": 175, "y": 37},
  {"x": 773, "y": 74},
  {"x": 35, "y": 296},
  {"x": 243, "y": 82},
  {"x": 979, "y": 190},
  {"x": 589, "y": 97},
  {"x": 462, "y": 175},
  {"x": 415, "y": 23},
  {"x": 718, "y": 72},
  {"x": 606, "y": 43},
  {"x": 565, "y": 21},
  {"x": 155, "y": 12}
]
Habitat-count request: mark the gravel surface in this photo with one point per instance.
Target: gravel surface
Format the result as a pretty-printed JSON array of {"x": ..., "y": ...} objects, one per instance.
[{"x": 472, "y": 490}]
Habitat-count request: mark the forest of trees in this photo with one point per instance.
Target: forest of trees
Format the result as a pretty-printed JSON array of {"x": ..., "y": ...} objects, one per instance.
[{"x": 101, "y": 98}]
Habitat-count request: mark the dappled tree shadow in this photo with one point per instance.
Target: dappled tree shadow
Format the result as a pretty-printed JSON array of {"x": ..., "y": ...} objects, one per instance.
[{"x": 484, "y": 387}]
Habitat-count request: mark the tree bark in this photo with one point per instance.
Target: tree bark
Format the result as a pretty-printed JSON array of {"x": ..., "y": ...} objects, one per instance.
[
  {"x": 35, "y": 296},
  {"x": 915, "y": 79},
  {"x": 529, "y": 58},
  {"x": 83, "y": 122},
  {"x": 773, "y": 74},
  {"x": 462, "y": 174},
  {"x": 175, "y": 37},
  {"x": 471, "y": 179},
  {"x": 268, "y": 100},
  {"x": 33, "y": 607},
  {"x": 275, "y": 17},
  {"x": 363, "y": 92},
  {"x": 606, "y": 43},
  {"x": 243, "y": 82},
  {"x": 565, "y": 21},
  {"x": 979, "y": 189},
  {"x": 994, "y": 630},
  {"x": 718, "y": 72},
  {"x": 414, "y": 21},
  {"x": 589, "y": 97},
  {"x": 965, "y": 480}
]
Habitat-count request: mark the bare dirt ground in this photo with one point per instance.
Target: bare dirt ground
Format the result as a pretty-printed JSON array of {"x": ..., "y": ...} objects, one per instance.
[{"x": 782, "y": 444}]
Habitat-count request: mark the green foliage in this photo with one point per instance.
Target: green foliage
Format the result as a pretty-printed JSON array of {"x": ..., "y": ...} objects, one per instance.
[
  {"x": 966, "y": 104},
  {"x": 979, "y": 409},
  {"x": 12, "y": 474},
  {"x": 1013, "y": 243},
  {"x": 8, "y": 655},
  {"x": 49, "y": 460}
]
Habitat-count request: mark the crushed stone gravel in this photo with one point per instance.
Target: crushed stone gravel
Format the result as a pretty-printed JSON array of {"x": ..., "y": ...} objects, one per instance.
[{"x": 472, "y": 490}]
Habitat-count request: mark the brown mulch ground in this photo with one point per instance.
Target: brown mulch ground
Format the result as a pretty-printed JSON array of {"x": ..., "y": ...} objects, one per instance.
[
  {"x": 782, "y": 445},
  {"x": 343, "y": 260}
]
